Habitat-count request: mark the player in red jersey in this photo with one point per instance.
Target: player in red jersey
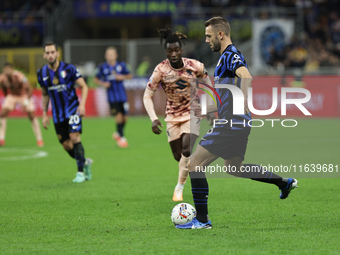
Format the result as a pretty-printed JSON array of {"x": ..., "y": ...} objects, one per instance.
[{"x": 17, "y": 90}]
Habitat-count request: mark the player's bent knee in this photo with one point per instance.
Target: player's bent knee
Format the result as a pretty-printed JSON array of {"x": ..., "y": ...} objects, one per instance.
[
  {"x": 67, "y": 145},
  {"x": 75, "y": 138},
  {"x": 191, "y": 169},
  {"x": 186, "y": 152}
]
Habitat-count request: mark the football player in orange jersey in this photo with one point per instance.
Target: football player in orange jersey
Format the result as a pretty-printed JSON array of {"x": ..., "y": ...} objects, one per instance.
[{"x": 175, "y": 74}]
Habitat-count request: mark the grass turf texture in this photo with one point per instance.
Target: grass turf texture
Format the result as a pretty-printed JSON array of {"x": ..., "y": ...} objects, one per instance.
[{"x": 126, "y": 208}]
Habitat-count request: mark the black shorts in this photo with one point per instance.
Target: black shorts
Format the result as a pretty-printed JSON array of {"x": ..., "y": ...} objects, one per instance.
[
  {"x": 226, "y": 143},
  {"x": 119, "y": 107},
  {"x": 71, "y": 125}
]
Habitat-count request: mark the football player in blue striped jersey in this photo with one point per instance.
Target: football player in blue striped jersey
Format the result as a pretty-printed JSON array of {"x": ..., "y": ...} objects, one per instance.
[
  {"x": 57, "y": 80},
  {"x": 228, "y": 139},
  {"x": 111, "y": 75}
]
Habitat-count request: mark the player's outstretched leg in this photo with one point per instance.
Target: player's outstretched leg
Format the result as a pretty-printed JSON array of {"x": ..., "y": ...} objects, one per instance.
[
  {"x": 200, "y": 192},
  {"x": 199, "y": 189},
  {"x": 258, "y": 173},
  {"x": 291, "y": 184}
]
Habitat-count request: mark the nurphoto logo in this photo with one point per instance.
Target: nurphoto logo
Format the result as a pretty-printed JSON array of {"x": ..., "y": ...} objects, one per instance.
[{"x": 238, "y": 104}]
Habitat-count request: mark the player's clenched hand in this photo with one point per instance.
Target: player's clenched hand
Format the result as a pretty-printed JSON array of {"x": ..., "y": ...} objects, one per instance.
[
  {"x": 155, "y": 127},
  {"x": 45, "y": 121},
  {"x": 81, "y": 110}
]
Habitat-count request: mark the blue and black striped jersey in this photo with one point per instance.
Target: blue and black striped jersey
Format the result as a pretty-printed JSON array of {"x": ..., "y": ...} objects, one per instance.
[
  {"x": 230, "y": 60},
  {"x": 105, "y": 72},
  {"x": 60, "y": 85}
]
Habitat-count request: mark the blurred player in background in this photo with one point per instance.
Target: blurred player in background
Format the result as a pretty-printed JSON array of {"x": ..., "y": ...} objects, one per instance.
[
  {"x": 174, "y": 75},
  {"x": 111, "y": 75},
  {"x": 57, "y": 80},
  {"x": 225, "y": 140},
  {"x": 17, "y": 90}
]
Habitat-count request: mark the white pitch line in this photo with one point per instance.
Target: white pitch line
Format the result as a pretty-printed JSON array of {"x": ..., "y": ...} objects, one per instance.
[{"x": 28, "y": 154}]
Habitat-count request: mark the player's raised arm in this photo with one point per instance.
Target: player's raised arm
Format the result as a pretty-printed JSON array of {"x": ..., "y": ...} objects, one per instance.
[
  {"x": 84, "y": 92},
  {"x": 45, "y": 102}
]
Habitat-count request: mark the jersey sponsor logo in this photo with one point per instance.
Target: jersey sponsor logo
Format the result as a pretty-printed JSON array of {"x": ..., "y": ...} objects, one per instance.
[
  {"x": 58, "y": 88},
  {"x": 181, "y": 84}
]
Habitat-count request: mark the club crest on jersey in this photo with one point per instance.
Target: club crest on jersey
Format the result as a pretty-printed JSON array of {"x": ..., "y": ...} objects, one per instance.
[
  {"x": 119, "y": 68},
  {"x": 63, "y": 74},
  {"x": 55, "y": 81}
]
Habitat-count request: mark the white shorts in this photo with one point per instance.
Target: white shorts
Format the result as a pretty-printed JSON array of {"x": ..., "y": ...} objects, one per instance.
[
  {"x": 11, "y": 101},
  {"x": 176, "y": 126}
]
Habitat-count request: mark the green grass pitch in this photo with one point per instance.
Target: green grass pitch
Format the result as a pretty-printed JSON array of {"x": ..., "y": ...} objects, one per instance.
[{"x": 126, "y": 208}]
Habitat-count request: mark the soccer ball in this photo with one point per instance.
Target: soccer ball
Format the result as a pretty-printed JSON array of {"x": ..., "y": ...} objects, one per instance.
[{"x": 183, "y": 213}]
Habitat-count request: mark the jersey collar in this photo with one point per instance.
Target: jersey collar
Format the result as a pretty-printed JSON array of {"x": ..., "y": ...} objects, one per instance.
[{"x": 227, "y": 47}]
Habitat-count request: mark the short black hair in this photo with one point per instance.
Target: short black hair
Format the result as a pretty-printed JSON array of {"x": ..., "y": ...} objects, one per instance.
[
  {"x": 170, "y": 36},
  {"x": 51, "y": 43}
]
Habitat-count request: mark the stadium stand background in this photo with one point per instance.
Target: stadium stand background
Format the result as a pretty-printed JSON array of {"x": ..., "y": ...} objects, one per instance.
[{"x": 305, "y": 41}]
